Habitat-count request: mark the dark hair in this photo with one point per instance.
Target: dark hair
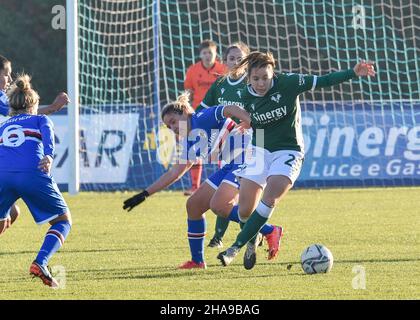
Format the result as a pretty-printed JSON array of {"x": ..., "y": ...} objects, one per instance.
[
  {"x": 255, "y": 59},
  {"x": 3, "y": 62},
  {"x": 207, "y": 44},
  {"x": 181, "y": 105},
  {"x": 236, "y": 45}
]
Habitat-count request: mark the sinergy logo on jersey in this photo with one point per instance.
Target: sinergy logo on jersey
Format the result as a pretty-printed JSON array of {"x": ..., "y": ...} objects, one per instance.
[
  {"x": 224, "y": 102},
  {"x": 270, "y": 116}
]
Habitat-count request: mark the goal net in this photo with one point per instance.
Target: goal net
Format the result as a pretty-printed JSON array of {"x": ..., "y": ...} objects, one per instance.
[{"x": 133, "y": 56}]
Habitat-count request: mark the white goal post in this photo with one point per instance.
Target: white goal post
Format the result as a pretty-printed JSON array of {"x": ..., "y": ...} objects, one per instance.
[{"x": 73, "y": 92}]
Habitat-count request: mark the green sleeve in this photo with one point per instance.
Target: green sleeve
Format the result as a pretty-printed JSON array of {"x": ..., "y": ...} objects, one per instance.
[
  {"x": 210, "y": 99},
  {"x": 334, "y": 78},
  {"x": 300, "y": 83},
  {"x": 297, "y": 82}
]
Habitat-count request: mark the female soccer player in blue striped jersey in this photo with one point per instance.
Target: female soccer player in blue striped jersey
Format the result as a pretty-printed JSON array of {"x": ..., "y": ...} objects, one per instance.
[
  {"x": 227, "y": 91},
  {"x": 275, "y": 162},
  {"x": 5, "y": 80},
  {"x": 26, "y": 155},
  {"x": 205, "y": 133}
]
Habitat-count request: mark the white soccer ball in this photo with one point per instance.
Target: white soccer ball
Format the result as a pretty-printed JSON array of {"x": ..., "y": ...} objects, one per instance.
[{"x": 316, "y": 259}]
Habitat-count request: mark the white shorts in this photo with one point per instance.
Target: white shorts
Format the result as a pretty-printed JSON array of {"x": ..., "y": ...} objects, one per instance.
[{"x": 261, "y": 164}]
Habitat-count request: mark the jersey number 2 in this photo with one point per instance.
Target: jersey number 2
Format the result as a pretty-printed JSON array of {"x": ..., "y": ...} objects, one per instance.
[{"x": 289, "y": 162}]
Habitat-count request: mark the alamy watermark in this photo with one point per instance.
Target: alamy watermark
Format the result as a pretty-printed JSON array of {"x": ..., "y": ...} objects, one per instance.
[
  {"x": 359, "y": 280},
  {"x": 59, "y": 274},
  {"x": 212, "y": 146},
  {"x": 359, "y": 17},
  {"x": 58, "y": 21}
]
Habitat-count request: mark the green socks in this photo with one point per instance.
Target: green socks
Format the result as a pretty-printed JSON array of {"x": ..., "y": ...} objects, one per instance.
[
  {"x": 250, "y": 229},
  {"x": 221, "y": 227}
]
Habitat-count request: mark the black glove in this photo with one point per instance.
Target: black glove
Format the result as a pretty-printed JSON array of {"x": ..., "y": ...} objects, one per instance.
[{"x": 135, "y": 200}]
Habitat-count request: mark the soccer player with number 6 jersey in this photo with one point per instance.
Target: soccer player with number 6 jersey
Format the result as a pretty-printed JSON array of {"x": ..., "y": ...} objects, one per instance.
[
  {"x": 5, "y": 80},
  {"x": 26, "y": 156}
]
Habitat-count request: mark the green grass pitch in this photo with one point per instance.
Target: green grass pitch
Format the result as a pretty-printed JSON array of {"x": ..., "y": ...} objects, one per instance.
[{"x": 111, "y": 254}]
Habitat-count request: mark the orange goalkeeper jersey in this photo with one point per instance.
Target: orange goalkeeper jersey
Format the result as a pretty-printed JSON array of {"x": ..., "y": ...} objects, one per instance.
[{"x": 199, "y": 79}]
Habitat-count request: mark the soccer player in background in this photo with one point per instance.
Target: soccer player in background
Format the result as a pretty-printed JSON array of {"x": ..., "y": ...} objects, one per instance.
[
  {"x": 5, "y": 80},
  {"x": 226, "y": 91},
  {"x": 26, "y": 156},
  {"x": 272, "y": 99},
  {"x": 198, "y": 79},
  {"x": 183, "y": 121}
]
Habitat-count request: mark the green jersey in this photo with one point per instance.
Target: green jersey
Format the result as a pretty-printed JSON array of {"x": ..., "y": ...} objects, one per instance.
[
  {"x": 278, "y": 112},
  {"x": 224, "y": 91}
]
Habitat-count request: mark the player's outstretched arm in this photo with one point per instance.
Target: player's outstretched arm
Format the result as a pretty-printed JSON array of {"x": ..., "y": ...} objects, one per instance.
[
  {"x": 168, "y": 178},
  {"x": 362, "y": 69},
  {"x": 59, "y": 102},
  {"x": 365, "y": 69},
  {"x": 241, "y": 114}
]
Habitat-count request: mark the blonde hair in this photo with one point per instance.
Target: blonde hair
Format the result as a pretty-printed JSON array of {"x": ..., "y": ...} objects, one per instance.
[
  {"x": 21, "y": 95},
  {"x": 253, "y": 60},
  {"x": 179, "y": 106}
]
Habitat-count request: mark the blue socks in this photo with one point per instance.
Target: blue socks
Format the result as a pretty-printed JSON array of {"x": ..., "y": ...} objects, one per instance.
[
  {"x": 267, "y": 229},
  {"x": 234, "y": 216},
  {"x": 196, "y": 235},
  {"x": 54, "y": 239}
]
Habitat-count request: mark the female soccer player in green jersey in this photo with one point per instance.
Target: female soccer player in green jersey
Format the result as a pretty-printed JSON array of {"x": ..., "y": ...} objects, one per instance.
[
  {"x": 227, "y": 91},
  {"x": 224, "y": 91},
  {"x": 276, "y": 157}
]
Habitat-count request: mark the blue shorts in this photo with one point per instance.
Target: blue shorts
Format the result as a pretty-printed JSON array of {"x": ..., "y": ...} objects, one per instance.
[
  {"x": 38, "y": 190},
  {"x": 225, "y": 174}
]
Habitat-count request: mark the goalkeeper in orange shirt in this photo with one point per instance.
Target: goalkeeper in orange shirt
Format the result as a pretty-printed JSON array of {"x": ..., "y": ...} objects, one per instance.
[{"x": 199, "y": 78}]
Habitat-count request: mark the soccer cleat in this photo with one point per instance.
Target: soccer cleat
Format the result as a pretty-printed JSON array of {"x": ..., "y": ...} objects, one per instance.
[
  {"x": 226, "y": 257},
  {"x": 215, "y": 243},
  {"x": 193, "y": 265},
  {"x": 273, "y": 241},
  {"x": 44, "y": 273},
  {"x": 261, "y": 242},
  {"x": 250, "y": 256}
]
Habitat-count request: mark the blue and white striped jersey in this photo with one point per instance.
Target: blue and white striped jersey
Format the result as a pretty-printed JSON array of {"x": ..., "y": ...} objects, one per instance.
[
  {"x": 212, "y": 138},
  {"x": 24, "y": 140}
]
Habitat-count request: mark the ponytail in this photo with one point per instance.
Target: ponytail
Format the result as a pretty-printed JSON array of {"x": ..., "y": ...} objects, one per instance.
[
  {"x": 21, "y": 95},
  {"x": 181, "y": 105}
]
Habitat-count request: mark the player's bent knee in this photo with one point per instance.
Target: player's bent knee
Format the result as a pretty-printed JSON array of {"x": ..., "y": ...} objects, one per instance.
[
  {"x": 220, "y": 209},
  {"x": 63, "y": 217},
  {"x": 191, "y": 203},
  {"x": 14, "y": 213},
  {"x": 69, "y": 218},
  {"x": 4, "y": 224},
  {"x": 194, "y": 207}
]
